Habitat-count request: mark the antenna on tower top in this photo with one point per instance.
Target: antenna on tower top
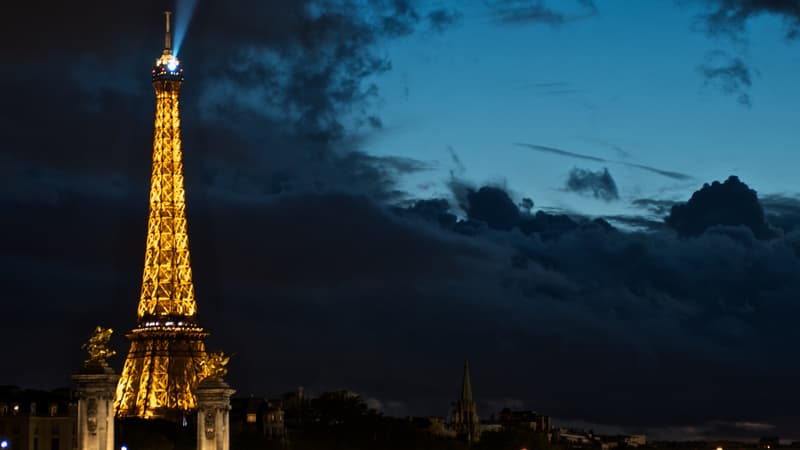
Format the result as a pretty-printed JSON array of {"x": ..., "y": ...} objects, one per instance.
[{"x": 168, "y": 36}]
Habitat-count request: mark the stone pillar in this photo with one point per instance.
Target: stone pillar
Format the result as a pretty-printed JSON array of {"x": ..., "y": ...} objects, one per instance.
[
  {"x": 95, "y": 386},
  {"x": 213, "y": 410}
]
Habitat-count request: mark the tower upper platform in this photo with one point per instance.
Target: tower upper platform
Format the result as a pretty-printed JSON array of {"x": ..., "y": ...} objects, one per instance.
[{"x": 167, "y": 66}]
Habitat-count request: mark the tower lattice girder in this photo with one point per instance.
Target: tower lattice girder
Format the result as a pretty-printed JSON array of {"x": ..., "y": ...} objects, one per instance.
[
  {"x": 164, "y": 364},
  {"x": 167, "y": 288}
]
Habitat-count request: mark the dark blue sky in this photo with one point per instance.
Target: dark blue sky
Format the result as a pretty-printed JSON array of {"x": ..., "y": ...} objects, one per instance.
[{"x": 378, "y": 190}]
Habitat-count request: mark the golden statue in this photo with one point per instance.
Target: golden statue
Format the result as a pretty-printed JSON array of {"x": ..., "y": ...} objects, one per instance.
[
  {"x": 214, "y": 365},
  {"x": 97, "y": 347}
]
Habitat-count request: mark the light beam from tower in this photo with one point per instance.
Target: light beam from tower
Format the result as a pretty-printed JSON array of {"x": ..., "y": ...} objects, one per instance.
[{"x": 163, "y": 366}]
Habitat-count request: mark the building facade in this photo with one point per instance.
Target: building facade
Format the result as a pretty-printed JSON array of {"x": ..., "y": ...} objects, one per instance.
[{"x": 35, "y": 420}]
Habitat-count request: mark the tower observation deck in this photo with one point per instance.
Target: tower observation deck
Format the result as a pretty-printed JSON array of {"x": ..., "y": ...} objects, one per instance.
[{"x": 164, "y": 364}]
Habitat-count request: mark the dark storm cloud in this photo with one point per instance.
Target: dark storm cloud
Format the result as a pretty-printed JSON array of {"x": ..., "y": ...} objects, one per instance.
[
  {"x": 75, "y": 154},
  {"x": 349, "y": 281},
  {"x": 650, "y": 219},
  {"x": 305, "y": 273},
  {"x": 493, "y": 206},
  {"x": 520, "y": 12},
  {"x": 782, "y": 211},
  {"x": 556, "y": 151},
  {"x": 276, "y": 98},
  {"x": 598, "y": 184},
  {"x": 731, "y": 203},
  {"x": 685, "y": 296},
  {"x": 729, "y": 74}
]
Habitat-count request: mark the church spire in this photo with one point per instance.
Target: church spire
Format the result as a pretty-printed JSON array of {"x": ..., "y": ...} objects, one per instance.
[
  {"x": 464, "y": 418},
  {"x": 466, "y": 387}
]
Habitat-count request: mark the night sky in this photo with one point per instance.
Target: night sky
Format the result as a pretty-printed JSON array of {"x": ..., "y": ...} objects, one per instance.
[{"x": 379, "y": 189}]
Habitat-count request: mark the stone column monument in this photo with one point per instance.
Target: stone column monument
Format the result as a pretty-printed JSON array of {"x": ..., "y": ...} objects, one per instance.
[
  {"x": 214, "y": 405},
  {"x": 95, "y": 385}
]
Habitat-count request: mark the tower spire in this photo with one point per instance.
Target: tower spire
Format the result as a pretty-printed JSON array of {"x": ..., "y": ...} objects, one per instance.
[
  {"x": 466, "y": 387},
  {"x": 168, "y": 35},
  {"x": 465, "y": 421}
]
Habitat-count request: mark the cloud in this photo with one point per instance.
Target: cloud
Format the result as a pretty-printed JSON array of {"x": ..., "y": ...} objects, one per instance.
[
  {"x": 556, "y": 151},
  {"x": 522, "y": 12},
  {"x": 349, "y": 280},
  {"x": 731, "y": 203},
  {"x": 730, "y": 17},
  {"x": 493, "y": 206},
  {"x": 460, "y": 169},
  {"x": 656, "y": 207},
  {"x": 635, "y": 222},
  {"x": 729, "y": 74},
  {"x": 599, "y": 184},
  {"x": 440, "y": 20},
  {"x": 285, "y": 90},
  {"x": 782, "y": 211}
]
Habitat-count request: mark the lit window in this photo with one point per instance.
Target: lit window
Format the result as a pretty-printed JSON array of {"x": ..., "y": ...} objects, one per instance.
[
  {"x": 251, "y": 418},
  {"x": 53, "y": 409}
]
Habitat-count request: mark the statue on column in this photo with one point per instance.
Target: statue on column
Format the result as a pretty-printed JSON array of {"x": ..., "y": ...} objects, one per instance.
[
  {"x": 215, "y": 365},
  {"x": 213, "y": 404},
  {"x": 97, "y": 347},
  {"x": 95, "y": 386}
]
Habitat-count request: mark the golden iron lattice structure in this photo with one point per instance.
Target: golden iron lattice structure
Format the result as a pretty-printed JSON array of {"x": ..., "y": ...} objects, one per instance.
[{"x": 166, "y": 358}]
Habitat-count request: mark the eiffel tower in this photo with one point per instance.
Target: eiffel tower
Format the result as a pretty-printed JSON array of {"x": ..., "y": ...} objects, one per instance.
[{"x": 164, "y": 364}]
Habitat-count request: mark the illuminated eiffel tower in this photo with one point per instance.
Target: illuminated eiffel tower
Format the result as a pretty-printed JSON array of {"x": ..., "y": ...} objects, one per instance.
[{"x": 164, "y": 364}]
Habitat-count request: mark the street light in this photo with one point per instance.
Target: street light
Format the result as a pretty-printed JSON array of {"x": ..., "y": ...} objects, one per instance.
[{"x": 4, "y": 444}]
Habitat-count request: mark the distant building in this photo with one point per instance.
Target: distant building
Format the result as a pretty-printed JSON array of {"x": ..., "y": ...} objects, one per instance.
[
  {"x": 528, "y": 420},
  {"x": 273, "y": 421},
  {"x": 257, "y": 416},
  {"x": 635, "y": 440},
  {"x": 464, "y": 419},
  {"x": 584, "y": 439},
  {"x": 490, "y": 428},
  {"x": 294, "y": 405},
  {"x": 246, "y": 414},
  {"x": 575, "y": 438},
  {"x": 36, "y": 420}
]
